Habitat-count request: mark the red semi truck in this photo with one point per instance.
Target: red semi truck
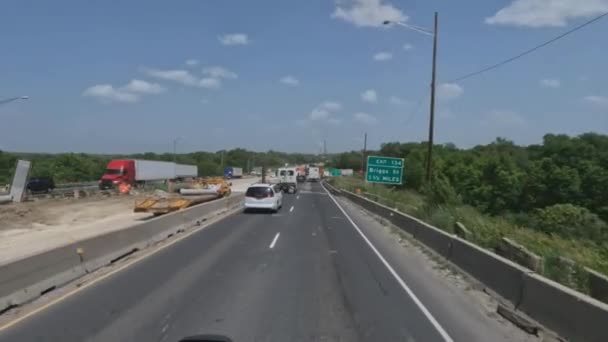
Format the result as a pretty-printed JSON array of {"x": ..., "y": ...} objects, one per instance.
[{"x": 136, "y": 172}]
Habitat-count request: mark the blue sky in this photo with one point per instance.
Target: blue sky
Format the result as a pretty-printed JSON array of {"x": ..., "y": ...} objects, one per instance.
[{"x": 118, "y": 76}]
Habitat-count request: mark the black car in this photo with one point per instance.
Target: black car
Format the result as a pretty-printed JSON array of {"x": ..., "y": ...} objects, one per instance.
[{"x": 40, "y": 184}]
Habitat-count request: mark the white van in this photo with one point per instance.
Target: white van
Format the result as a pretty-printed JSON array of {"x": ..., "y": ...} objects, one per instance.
[{"x": 263, "y": 196}]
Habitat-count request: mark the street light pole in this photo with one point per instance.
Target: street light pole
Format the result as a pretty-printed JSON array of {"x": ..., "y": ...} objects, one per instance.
[
  {"x": 429, "y": 161},
  {"x": 175, "y": 149}
]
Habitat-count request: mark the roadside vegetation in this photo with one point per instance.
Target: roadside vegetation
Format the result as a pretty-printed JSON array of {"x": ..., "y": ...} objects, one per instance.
[
  {"x": 80, "y": 167},
  {"x": 550, "y": 198}
]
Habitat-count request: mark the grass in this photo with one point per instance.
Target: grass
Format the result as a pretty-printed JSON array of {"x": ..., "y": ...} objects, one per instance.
[{"x": 487, "y": 231}]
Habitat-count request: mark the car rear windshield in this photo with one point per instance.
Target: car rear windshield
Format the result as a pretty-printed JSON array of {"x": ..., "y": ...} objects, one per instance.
[{"x": 258, "y": 192}]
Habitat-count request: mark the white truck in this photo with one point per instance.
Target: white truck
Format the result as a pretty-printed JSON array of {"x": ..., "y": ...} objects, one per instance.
[
  {"x": 313, "y": 174},
  {"x": 287, "y": 179}
]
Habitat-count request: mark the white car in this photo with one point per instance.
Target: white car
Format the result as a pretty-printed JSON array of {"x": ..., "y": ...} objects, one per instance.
[{"x": 264, "y": 196}]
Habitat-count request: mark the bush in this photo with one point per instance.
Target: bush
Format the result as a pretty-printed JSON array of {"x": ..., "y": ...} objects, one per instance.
[
  {"x": 569, "y": 221},
  {"x": 440, "y": 192}
]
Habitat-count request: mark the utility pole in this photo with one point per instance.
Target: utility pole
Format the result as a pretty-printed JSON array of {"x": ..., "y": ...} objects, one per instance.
[
  {"x": 429, "y": 160},
  {"x": 174, "y": 150},
  {"x": 363, "y": 153},
  {"x": 324, "y": 149},
  {"x": 222, "y": 162}
]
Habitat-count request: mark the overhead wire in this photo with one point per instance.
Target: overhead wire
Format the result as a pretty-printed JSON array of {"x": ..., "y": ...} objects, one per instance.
[{"x": 527, "y": 52}]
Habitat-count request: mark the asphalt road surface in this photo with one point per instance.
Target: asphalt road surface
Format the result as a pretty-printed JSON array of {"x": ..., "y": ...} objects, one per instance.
[{"x": 308, "y": 273}]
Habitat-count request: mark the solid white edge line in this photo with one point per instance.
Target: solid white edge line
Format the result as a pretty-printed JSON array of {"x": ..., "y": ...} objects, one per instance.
[
  {"x": 274, "y": 241},
  {"x": 291, "y": 209},
  {"x": 421, "y": 306}
]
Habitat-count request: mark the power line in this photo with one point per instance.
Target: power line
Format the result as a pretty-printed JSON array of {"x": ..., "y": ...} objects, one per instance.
[{"x": 527, "y": 52}]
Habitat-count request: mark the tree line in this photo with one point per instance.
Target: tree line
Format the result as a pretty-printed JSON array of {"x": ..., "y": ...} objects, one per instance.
[
  {"x": 80, "y": 167},
  {"x": 561, "y": 184}
]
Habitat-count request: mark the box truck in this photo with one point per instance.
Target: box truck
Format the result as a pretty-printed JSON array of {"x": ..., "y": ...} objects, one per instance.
[
  {"x": 313, "y": 175},
  {"x": 136, "y": 172},
  {"x": 288, "y": 181},
  {"x": 233, "y": 172}
]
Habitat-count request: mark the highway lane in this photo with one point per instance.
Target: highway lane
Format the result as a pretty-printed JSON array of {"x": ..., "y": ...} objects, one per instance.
[{"x": 304, "y": 274}]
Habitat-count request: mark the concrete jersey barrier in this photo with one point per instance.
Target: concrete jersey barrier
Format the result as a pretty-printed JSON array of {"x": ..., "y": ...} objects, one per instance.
[
  {"x": 25, "y": 280},
  {"x": 571, "y": 314}
]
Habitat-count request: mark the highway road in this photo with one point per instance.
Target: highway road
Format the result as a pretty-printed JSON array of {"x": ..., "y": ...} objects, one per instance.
[{"x": 319, "y": 270}]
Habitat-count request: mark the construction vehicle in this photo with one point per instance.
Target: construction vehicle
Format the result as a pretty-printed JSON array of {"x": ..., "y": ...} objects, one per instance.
[{"x": 190, "y": 194}]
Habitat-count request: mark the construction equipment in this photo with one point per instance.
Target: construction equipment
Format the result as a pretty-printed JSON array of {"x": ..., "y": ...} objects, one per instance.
[{"x": 193, "y": 193}]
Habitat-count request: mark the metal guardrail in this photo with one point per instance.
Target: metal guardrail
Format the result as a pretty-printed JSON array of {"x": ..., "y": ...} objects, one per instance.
[
  {"x": 66, "y": 192},
  {"x": 76, "y": 185}
]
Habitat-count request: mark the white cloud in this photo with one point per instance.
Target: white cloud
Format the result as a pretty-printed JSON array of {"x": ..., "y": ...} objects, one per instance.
[
  {"x": 334, "y": 121},
  {"x": 209, "y": 83},
  {"x": 370, "y": 96},
  {"x": 179, "y": 76},
  {"x": 331, "y": 106},
  {"x": 192, "y": 62},
  {"x": 407, "y": 46},
  {"x": 550, "y": 83},
  {"x": 383, "y": 56},
  {"x": 204, "y": 101},
  {"x": 543, "y": 13},
  {"x": 107, "y": 93},
  {"x": 498, "y": 117},
  {"x": 365, "y": 118},
  {"x": 324, "y": 111},
  {"x": 319, "y": 114},
  {"x": 367, "y": 13},
  {"x": 234, "y": 39},
  {"x": 601, "y": 101},
  {"x": 290, "y": 80},
  {"x": 186, "y": 78},
  {"x": 143, "y": 87},
  {"x": 395, "y": 100},
  {"x": 449, "y": 91},
  {"x": 220, "y": 72}
]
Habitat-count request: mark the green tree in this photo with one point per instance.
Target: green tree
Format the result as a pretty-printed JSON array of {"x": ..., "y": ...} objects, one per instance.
[
  {"x": 548, "y": 183},
  {"x": 7, "y": 167},
  {"x": 569, "y": 221}
]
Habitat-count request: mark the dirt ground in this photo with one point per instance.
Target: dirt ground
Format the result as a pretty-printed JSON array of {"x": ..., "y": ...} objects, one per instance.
[{"x": 33, "y": 227}]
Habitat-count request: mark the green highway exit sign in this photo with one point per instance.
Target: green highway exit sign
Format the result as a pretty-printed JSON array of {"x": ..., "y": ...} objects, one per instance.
[{"x": 384, "y": 170}]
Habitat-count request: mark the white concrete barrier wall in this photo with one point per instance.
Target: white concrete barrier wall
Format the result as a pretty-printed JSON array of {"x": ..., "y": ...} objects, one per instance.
[
  {"x": 24, "y": 280},
  {"x": 571, "y": 314}
]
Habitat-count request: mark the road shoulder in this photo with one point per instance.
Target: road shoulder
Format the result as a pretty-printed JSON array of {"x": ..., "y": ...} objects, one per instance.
[{"x": 467, "y": 313}]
